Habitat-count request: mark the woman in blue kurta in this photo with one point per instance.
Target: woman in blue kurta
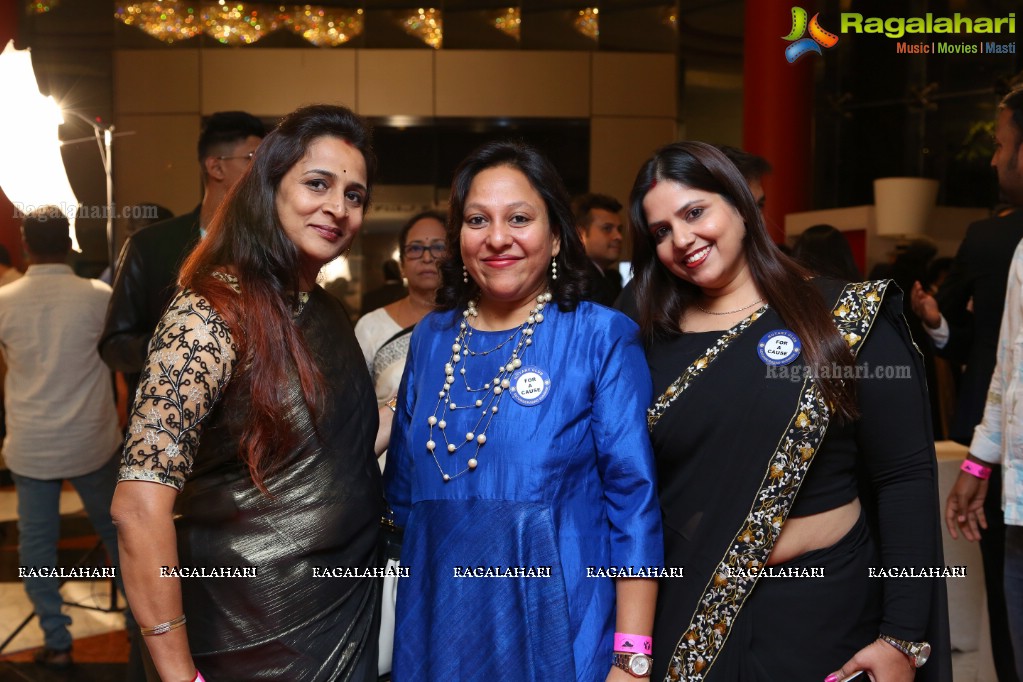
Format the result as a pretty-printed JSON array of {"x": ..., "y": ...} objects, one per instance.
[{"x": 519, "y": 462}]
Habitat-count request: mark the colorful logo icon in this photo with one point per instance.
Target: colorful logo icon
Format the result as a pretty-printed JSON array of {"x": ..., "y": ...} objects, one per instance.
[{"x": 818, "y": 36}]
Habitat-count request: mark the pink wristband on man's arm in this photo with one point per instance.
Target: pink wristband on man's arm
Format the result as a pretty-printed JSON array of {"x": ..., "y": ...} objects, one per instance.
[
  {"x": 975, "y": 469},
  {"x": 633, "y": 644}
]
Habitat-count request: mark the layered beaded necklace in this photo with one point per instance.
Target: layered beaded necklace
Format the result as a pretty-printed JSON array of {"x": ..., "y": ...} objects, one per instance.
[{"x": 486, "y": 398}]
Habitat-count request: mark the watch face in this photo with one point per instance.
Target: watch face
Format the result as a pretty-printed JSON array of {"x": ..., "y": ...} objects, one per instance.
[
  {"x": 923, "y": 655},
  {"x": 640, "y": 665}
]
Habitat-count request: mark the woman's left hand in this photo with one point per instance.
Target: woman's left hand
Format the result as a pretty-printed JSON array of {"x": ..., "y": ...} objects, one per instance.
[
  {"x": 619, "y": 675},
  {"x": 882, "y": 661}
]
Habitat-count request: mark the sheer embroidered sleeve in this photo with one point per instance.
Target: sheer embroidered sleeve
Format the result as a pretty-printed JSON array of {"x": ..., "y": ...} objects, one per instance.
[{"x": 190, "y": 362}]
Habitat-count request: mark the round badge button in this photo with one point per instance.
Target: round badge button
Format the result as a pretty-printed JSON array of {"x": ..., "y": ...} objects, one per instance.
[
  {"x": 779, "y": 347},
  {"x": 529, "y": 385}
]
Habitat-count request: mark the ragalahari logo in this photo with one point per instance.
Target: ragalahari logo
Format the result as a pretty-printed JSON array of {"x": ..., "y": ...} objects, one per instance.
[{"x": 818, "y": 36}]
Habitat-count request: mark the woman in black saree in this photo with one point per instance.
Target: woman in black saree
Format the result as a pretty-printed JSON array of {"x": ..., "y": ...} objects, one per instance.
[
  {"x": 762, "y": 371},
  {"x": 249, "y": 479}
]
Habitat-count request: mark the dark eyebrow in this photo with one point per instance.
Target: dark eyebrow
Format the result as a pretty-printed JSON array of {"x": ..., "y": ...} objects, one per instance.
[
  {"x": 334, "y": 176},
  {"x": 686, "y": 206},
  {"x": 512, "y": 205},
  {"x": 320, "y": 171}
]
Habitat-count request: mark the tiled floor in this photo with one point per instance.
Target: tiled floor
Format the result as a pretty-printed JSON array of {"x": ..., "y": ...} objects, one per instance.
[{"x": 101, "y": 644}]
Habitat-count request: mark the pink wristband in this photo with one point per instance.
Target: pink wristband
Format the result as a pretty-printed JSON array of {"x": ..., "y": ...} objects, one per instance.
[
  {"x": 633, "y": 644},
  {"x": 199, "y": 677},
  {"x": 974, "y": 469}
]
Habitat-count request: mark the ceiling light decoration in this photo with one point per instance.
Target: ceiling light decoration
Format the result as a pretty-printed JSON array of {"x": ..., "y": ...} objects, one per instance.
[
  {"x": 670, "y": 17},
  {"x": 168, "y": 21},
  {"x": 425, "y": 24},
  {"x": 323, "y": 27},
  {"x": 237, "y": 23},
  {"x": 42, "y": 7},
  {"x": 509, "y": 21},
  {"x": 588, "y": 22}
]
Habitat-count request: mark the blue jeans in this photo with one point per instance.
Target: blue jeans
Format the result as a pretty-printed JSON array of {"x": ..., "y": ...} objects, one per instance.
[
  {"x": 1014, "y": 590},
  {"x": 39, "y": 531}
]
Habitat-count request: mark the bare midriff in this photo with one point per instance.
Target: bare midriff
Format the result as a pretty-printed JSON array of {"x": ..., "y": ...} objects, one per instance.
[{"x": 817, "y": 531}]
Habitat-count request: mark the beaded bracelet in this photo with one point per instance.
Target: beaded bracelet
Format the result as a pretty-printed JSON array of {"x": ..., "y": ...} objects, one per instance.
[
  {"x": 163, "y": 628},
  {"x": 975, "y": 469}
]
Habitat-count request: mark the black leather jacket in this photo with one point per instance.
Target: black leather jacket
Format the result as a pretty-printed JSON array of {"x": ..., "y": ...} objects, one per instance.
[{"x": 146, "y": 279}]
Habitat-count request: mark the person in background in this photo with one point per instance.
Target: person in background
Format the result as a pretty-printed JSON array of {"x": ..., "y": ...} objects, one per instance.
[
  {"x": 251, "y": 442},
  {"x": 983, "y": 292},
  {"x": 393, "y": 289},
  {"x": 146, "y": 276},
  {"x": 769, "y": 456},
  {"x": 519, "y": 441},
  {"x": 383, "y": 332},
  {"x": 753, "y": 169},
  {"x": 599, "y": 222},
  {"x": 8, "y": 273},
  {"x": 142, "y": 215},
  {"x": 61, "y": 420},
  {"x": 822, "y": 249},
  {"x": 911, "y": 266}
]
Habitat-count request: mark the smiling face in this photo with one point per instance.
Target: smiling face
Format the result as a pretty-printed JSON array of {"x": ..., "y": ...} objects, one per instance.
[
  {"x": 506, "y": 239},
  {"x": 422, "y": 273},
  {"x": 320, "y": 203},
  {"x": 698, "y": 236}
]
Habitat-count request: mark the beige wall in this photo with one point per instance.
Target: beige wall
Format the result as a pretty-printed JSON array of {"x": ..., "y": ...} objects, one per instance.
[{"x": 161, "y": 95}]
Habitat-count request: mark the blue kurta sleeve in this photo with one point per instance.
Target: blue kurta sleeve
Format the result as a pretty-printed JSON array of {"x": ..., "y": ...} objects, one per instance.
[
  {"x": 625, "y": 458},
  {"x": 398, "y": 469}
]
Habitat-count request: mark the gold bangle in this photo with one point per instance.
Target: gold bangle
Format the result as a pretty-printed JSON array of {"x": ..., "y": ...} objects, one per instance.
[
  {"x": 163, "y": 628},
  {"x": 393, "y": 404}
]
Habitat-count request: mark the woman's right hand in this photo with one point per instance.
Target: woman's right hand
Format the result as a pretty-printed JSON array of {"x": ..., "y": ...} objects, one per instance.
[
  {"x": 147, "y": 542},
  {"x": 881, "y": 661}
]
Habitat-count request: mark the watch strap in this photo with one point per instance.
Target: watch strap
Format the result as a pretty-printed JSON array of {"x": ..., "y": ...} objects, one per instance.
[
  {"x": 910, "y": 649},
  {"x": 624, "y": 661}
]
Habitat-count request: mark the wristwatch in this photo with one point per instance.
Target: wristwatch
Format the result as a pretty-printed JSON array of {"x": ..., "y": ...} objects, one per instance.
[
  {"x": 637, "y": 665},
  {"x": 918, "y": 652}
]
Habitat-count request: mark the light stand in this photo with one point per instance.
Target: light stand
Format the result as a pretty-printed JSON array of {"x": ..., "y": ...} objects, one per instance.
[{"x": 104, "y": 136}]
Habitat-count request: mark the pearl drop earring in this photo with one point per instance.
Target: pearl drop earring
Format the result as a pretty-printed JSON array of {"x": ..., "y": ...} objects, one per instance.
[
  {"x": 554, "y": 269},
  {"x": 465, "y": 275}
]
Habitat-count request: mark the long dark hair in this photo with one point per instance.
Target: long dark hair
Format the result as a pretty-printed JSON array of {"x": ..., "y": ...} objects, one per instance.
[
  {"x": 571, "y": 285},
  {"x": 663, "y": 297},
  {"x": 247, "y": 236}
]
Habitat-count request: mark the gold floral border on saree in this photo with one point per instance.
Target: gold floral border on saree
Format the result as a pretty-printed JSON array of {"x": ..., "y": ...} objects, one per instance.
[{"x": 735, "y": 576}]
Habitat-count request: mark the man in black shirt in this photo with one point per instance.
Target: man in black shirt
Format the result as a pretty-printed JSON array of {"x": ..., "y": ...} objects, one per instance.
[
  {"x": 147, "y": 270},
  {"x": 599, "y": 222}
]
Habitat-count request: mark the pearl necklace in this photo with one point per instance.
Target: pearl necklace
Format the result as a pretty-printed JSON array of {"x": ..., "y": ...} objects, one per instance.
[{"x": 492, "y": 391}]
